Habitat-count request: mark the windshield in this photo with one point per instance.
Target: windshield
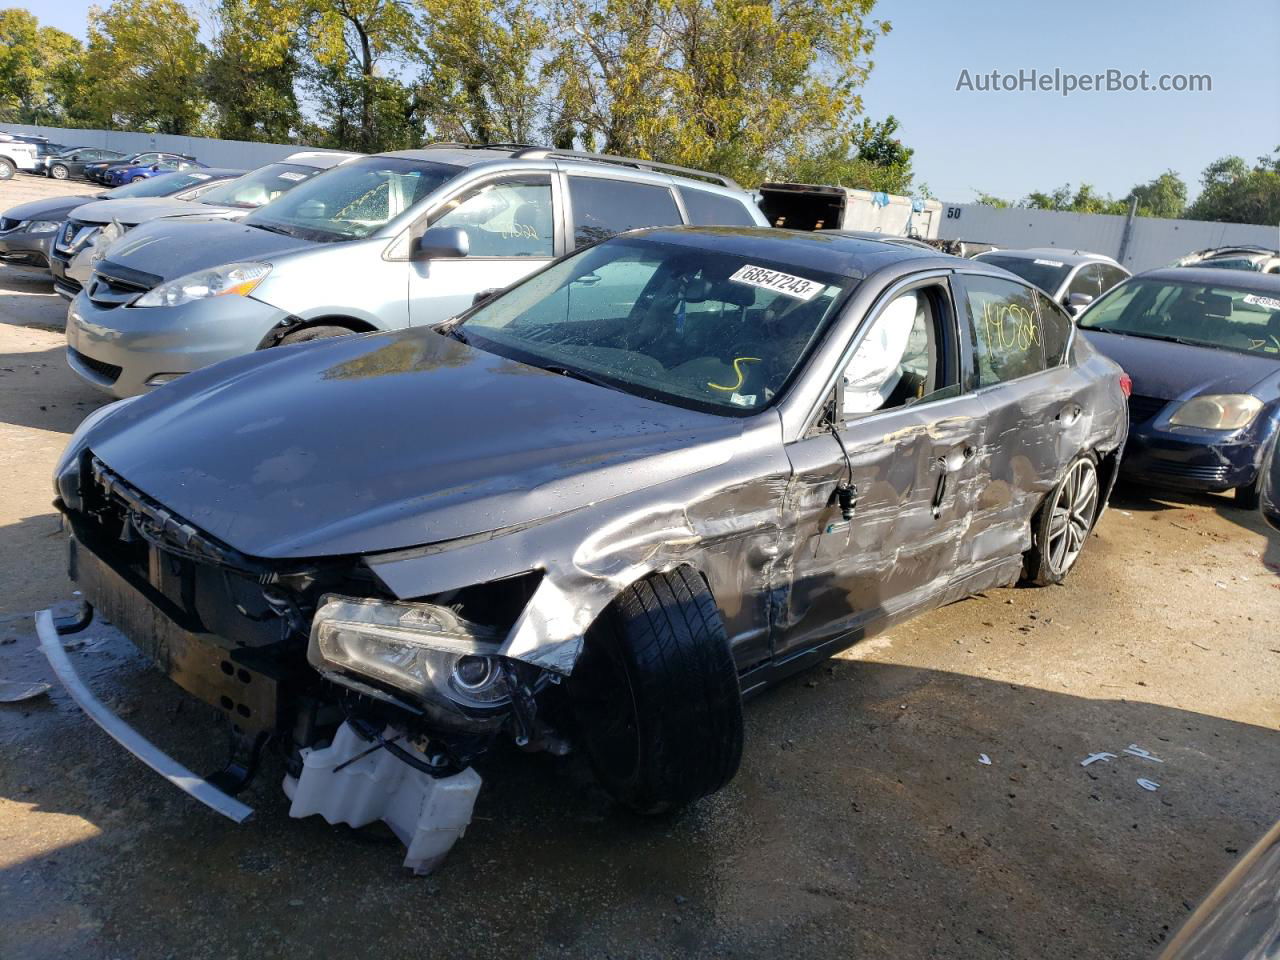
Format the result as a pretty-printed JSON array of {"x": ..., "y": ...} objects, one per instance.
[
  {"x": 1045, "y": 272},
  {"x": 260, "y": 186},
  {"x": 1210, "y": 316},
  {"x": 162, "y": 185},
  {"x": 712, "y": 331},
  {"x": 353, "y": 200},
  {"x": 1233, "y": 263}
]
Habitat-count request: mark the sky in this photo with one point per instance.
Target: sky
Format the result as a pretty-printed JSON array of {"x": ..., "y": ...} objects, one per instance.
[{"x": 1010, "y": 143}]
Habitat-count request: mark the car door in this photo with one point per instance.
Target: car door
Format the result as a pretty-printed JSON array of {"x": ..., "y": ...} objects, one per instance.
[
  {"x": 513, "y": 229},
  {"x": 1034, "y": 410},
  {"x": 903, "y": 434}
]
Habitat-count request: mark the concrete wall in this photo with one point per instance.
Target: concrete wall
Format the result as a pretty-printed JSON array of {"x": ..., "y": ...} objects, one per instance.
[
  {"x": 216, "y": 153},
  {"x": 1153, "y": 242}
]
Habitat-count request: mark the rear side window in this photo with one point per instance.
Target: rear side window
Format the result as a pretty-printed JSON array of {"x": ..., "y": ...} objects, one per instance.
[
  {"x": 1007, "y": 336},
  {"x": 709, "y": 209},
  {"x": 1055, "y": 327},
  {"x": 604, "y": 207}
]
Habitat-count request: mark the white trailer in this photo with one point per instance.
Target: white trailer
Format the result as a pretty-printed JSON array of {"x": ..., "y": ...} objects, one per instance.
[{"x": 808, "y": 206}]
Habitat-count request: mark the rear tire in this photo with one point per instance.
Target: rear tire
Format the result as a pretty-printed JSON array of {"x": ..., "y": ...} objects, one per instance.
[
  {"x": 1062, "y": 525},
  {"x": 655, "y": 695},
  {"x": 7, "y": 169},
  {"x": 307, "y": 334}
]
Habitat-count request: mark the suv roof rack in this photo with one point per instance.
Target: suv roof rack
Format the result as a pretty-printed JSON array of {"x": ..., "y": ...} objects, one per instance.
[
  {"x": 529, "y": 151},
  {"x": 539, "y": 153}
]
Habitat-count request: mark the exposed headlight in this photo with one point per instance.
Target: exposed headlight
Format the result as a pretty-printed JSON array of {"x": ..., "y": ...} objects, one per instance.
[
  {"x": 1217, "y": 411},
  {"x": 421, "y": 648},
  {"x": 43, "y": 226},
  {"x": 239, "y": 278},
  {"x": 72, "y": 448}
]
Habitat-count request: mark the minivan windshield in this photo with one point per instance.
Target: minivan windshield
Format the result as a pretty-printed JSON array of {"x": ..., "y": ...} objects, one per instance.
[
  {"x": 163, "y": 185},
  {"x": 719, "y": 332},
  {"x": 353, "y": 200},
  {"x": 259, "y": 186},
  {"x": 1045, "y": 272},
  {"x": 1205, "y": 315}
]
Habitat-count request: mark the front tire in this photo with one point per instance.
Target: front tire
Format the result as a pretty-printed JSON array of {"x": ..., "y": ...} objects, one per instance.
[
  {"x": 137, "y": 179},
  {"x": 1063, "y": 523},
  {"x": 655, "y": 695},
  {"x": 59, "y": 172}
]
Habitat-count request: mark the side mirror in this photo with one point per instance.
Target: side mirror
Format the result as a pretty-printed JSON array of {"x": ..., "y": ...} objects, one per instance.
[
  {"x": 1076, "y": 302},
  {"x": 484, "y": 295},
  {"x": 442, "y": 243}
]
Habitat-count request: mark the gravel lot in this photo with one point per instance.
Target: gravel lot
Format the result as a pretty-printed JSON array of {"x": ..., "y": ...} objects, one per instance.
[{"x": 862, "y": 823}]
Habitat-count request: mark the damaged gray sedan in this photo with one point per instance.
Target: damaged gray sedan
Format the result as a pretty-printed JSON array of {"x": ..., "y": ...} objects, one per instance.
[{"x": 594, "y": 512}]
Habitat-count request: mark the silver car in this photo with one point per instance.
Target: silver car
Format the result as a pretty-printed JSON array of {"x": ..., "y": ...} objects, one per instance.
[
  {"x": 395, "y": 240},
  {"x": 93, "y": 227},
  {"x": 1073, "y": 278}
]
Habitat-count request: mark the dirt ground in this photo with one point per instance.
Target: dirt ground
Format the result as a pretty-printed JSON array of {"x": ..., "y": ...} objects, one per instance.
[{"x": 862, "y": 823}]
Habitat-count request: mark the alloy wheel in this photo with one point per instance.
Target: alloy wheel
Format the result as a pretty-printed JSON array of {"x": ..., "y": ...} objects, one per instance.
[
  {"x": 1074, "y": 508},
  {"x": 58, "y": 172}
]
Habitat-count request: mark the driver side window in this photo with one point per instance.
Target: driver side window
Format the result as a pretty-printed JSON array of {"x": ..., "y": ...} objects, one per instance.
[
  {"x": 902, "y": 359},
  {"x": 504, "y": 218}
]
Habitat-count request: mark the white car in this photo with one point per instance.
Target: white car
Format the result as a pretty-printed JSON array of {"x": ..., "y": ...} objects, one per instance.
[{"x": 16, "y": 155}]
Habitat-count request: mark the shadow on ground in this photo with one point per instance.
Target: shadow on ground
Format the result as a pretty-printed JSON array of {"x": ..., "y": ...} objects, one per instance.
[{"x": 862, "y": 824}]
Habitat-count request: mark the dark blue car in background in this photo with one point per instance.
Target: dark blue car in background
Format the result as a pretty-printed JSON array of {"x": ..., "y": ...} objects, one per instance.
[
  {"x": 120, "y": 175},
  {"x": 1203, "y": 349}
]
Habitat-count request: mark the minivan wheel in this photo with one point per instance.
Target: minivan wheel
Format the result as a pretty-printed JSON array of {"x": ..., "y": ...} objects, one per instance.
[
  {"x": 1062, "y": 525},
  {"x": 655, "y": 695},
  {"x": 319, "y": 332},
  {"x": 7, "y": 169},
  {"x": 59, "y": 172}
]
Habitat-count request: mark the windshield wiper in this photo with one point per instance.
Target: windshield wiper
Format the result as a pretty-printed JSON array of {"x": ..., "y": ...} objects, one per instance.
[
  {"x": 575, "y": 374},
  {"x": 274, "y": 228},
  {"x": 1152, "y": 336}
]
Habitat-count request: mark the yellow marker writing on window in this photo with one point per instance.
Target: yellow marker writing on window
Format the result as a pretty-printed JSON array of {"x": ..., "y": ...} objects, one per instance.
[{"x": 738, "y": 370}]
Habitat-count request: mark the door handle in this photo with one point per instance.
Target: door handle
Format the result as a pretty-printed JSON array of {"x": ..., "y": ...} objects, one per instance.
[{"x": 940, "y": 491}]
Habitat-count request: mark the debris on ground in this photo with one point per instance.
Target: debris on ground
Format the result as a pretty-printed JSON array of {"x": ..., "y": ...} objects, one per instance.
[
  {"x": 1146, "y": 784},
  {"x": 1095, "y": 757},
  {"x": 984, "y": 760},
  {"x": 17, "y": 691},
  {"x": 1134, "y": 750}
]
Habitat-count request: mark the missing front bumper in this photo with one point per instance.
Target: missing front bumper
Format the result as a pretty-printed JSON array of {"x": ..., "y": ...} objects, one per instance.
[{"x": 185, "y": 780}]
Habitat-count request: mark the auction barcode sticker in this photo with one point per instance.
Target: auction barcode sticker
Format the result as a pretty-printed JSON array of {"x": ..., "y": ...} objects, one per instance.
[
  {"x": 1271, "y": 303},
  {"x": 783, "y": 283}
]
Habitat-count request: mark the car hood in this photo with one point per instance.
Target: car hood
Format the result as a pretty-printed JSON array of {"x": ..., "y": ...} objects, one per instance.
[
  {"x": 371, "y": 443},
  {"x": 173, "y": 248},
  {"x": 132, "y": 211},
  {"x": 50, "y": 208},
  {"x": 1167, "y": 371}
]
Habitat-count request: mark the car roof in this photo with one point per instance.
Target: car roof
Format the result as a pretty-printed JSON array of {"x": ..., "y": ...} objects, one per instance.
[
  {"x": 460, "y": 155},
  {"x": 1268, "y": 283},
  {"x": 320, "y": 159},
  {"x": 1071, "y": 258},
  {"x": 835, "y": 253}
]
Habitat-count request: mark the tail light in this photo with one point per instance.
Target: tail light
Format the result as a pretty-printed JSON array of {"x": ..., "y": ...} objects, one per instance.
[{"x": 1126, "y": 384}]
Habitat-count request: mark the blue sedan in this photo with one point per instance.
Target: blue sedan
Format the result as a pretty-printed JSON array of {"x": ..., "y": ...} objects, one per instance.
[
  {"x": 1203, "y": 349},
  {"x": 117, "y": 176}
]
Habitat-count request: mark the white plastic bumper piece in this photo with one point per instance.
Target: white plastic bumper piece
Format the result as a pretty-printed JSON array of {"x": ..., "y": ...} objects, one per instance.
[{"x": 428, "y": 814}]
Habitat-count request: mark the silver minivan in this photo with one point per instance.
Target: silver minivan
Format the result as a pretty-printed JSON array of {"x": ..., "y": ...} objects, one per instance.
[{"x": 394, "y": 240}]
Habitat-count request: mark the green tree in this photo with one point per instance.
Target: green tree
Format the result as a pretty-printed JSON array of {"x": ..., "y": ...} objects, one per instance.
[
  {"x": 253, "y": 70},
  {"x": 352, "y": 47},
  {"x": 1234, "y": 192},
  {"x": 479, "y": 83},
  {"x": 991, "y": 200},
  {"x": 143, "y": 67},
  {"x": 39, "y": 69},
  {"x": 1165, "y": 196},
  {"x": 743, "y": 87}
]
